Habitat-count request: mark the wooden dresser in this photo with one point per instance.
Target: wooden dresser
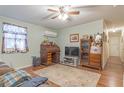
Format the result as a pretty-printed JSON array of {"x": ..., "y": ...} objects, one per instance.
[
  {"x": 49, "y": 54},
  {"x": 95, "y": 60}
]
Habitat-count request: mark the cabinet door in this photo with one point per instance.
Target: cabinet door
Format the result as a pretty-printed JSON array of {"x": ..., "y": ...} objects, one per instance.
[{"x": 95, "y": 59}]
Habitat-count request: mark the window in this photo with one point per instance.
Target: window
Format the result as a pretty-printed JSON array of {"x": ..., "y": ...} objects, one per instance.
[{"x": 14, "y": 39}]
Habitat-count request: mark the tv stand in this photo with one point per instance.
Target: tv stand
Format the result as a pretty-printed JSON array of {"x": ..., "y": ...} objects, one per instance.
[{"x": 70, "y": 60}]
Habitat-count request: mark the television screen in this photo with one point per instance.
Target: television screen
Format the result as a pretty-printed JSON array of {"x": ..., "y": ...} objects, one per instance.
[
  {"x": 67, "y": 51},
  {"x": 74, "y": 51}
]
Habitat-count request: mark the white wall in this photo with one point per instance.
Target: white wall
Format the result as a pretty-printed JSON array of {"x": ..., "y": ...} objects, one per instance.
[
  {"x": 122, "y": 46},
  {"x": 105, "y": 51},
  {"x": 35, "y": 38},
  {"x": 88, "y": 28}
]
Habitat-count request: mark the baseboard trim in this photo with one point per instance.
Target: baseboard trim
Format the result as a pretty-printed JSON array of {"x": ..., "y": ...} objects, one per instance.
[{"x": 22, "y": 67}]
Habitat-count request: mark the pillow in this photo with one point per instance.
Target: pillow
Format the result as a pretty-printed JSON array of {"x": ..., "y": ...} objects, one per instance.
[
  {"x": 34, "y": 82},
  {"x": 4, "y": 70}
]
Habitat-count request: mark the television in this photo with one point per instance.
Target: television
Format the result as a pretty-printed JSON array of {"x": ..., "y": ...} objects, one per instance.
[{"x": 72, "y": 51}]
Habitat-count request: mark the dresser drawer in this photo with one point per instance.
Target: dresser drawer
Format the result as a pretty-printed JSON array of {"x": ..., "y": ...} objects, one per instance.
[
  {"x": 95, "y": 60},
  {"x": 95, "y": 64},
  {"x": 49, "y": 53},
  {"x": 95, "y": 56},
  {"x": 49, "y": 62},
  {"x": 49, "y": 59}
]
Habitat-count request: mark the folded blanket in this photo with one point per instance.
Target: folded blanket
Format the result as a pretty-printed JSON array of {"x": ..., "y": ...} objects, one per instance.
[
  {"x": 12, "y": 79},
  {"x": 34, "y": 82}
]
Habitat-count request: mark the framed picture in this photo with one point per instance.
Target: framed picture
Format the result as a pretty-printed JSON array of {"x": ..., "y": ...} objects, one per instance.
[{"x": 74, "y": 38}]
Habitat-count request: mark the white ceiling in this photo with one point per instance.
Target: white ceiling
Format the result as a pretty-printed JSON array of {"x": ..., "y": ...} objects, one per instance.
[{"x": 35, "y": 14}]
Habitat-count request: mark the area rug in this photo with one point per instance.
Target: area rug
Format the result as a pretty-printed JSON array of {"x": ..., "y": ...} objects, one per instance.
[{"x": 66, "y": 76}]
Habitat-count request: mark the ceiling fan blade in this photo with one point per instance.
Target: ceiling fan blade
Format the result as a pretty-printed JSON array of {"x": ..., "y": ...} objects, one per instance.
[
  {"x": 84, "y": 6},
  {"x": 52, "y": 10},
  {"x": 48, "y": 16},
  {"x": 55, "y": 17},
  {"x": 74, "y": 13},
  {"x": 69, "y": 19}
]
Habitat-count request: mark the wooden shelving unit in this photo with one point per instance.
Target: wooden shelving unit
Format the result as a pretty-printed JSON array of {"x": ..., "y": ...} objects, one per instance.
[
  {"x": 85, "y": 51},
  {"x": 88, "y": 59}
]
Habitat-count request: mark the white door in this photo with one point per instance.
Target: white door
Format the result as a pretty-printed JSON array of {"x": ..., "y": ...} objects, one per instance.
[{"x": 114, "y": 46}]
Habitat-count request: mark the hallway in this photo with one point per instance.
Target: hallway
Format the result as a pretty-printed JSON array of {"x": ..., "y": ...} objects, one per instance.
[{"x": 112, "y": 75}]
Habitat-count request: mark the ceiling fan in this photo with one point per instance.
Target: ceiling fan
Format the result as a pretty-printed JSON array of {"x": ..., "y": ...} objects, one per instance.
[{"x": 64, "y": 12}]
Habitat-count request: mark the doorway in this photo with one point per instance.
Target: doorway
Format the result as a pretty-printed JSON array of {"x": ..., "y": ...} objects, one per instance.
[{"x": 114, "y": 43}]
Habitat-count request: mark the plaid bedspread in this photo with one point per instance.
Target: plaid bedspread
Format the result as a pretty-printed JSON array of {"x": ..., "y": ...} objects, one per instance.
[{"x": 14, "y": 78}]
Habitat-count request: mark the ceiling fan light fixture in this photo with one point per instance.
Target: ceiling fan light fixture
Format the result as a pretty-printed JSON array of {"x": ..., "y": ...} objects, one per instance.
[
  {"x": 60, "y": 16},
  {"x": 65, "y": 16}
]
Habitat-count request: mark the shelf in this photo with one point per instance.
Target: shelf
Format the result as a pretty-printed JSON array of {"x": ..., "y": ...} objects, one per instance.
[
  {"x": 73, "y": 61},
  {"x": 85, "y": 47}
]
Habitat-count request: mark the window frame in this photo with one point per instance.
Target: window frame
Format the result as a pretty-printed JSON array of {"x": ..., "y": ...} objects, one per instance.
[{"x": 16, "y": 50}]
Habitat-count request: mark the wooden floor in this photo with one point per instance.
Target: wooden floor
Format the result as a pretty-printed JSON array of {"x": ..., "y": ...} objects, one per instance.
[{"x": 111, "y": 76}]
